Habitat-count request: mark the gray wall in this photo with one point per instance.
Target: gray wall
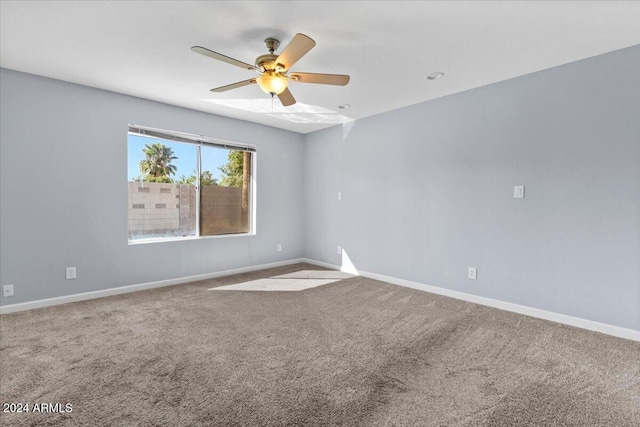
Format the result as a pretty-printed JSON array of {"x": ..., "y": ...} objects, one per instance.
[
  {"x": 63, "y": 196},
  {"x": 428, "y": 191}
]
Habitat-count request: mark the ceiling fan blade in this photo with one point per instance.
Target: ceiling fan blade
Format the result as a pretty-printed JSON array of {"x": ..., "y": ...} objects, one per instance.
[
  {"x": 220, "y": 57},
  {"x": 233, "y": 85},
  {"x": 323, "y": 79},
  {"x": 286, "y": 98},
  {"x": 296, "y": 49}
]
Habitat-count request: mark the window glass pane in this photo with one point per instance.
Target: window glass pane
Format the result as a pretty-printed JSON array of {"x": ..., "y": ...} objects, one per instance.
[
  {"x": 225, "y": 192},
  {"x": 162, "y": 188}
]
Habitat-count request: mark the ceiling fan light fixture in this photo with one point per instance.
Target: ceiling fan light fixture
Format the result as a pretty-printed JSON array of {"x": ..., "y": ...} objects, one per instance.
[
  {"x": 273, "y": 68},
  {"x": 272, "y": 83}
]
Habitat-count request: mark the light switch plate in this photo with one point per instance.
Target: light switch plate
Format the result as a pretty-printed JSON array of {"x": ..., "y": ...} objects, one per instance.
[
  {"x": 472, "y": 273},
  {"x": 518, "y": 192},
  {"x": 71, "y": 273}
]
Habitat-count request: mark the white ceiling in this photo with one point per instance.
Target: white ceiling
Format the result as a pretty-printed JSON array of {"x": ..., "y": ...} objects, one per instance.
[{"x": 142, "y": 48}]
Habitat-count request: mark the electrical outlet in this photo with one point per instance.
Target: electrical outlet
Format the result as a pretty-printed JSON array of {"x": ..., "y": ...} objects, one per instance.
[
  {"x": 71, "y": 273},
  {"x": 7, "y": 291},
  {"x": 472, "y": 273},
  {"x": 279, "y": 247},
  {"x": 339, "y": 250}
]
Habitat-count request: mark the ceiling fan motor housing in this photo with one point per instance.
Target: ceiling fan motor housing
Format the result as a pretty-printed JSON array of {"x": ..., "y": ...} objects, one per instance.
[{"x": 267, "y": 62}]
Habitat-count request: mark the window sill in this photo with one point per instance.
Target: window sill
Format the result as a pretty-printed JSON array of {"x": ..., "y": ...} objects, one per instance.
[{"x": 182, "y": 239}]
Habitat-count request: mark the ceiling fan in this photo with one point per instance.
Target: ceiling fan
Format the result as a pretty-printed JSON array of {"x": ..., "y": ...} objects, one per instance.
[{"x": 274, "y": 69}]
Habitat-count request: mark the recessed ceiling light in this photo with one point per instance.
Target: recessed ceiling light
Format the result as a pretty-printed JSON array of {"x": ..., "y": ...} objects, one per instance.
[
  {"x": 344, "y": 106},
  {"x": 435, "y": 76}
]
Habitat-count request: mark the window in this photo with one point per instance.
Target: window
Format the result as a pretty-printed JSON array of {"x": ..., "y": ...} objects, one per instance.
[{"x": 187, "y": 186}]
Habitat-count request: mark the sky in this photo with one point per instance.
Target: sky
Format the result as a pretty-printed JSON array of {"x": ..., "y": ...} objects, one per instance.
[{"x": 211, "y": 157}]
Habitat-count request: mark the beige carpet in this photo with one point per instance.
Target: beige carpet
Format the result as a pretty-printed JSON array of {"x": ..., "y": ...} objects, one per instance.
[{"x": 356, "y": 352}]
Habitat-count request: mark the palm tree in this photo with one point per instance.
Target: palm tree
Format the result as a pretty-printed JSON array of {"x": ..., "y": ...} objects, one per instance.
[{"x": 157, "y": 164}]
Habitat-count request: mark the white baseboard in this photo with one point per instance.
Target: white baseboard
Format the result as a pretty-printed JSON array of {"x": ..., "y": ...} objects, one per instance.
[
  {"x": 591, "y": 325},
  {"x": 30, "y": 305},
  {"x": 322, "y": 264}
]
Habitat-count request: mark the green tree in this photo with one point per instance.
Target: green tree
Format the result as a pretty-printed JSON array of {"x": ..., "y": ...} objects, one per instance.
[
  {"x": 206, "y": 178},
  {"x": 157, "y": 167},
  {"x": 160, "y": 179},
  {"x": 232, "y": 172},
  {"x": 186, "y": 180}
]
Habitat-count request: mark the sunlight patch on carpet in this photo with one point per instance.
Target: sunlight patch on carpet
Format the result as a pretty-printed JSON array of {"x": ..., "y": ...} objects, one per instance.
[
  {"x": 314, "y": 274},
  {"x": 276, "y": 285},
  {"x": 296, "y": 281}
]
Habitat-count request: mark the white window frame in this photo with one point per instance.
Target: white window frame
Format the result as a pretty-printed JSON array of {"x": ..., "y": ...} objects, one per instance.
[{"x": 201, "y": 140}]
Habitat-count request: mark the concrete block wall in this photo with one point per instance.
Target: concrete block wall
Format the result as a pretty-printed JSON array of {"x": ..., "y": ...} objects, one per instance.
[
  {"x": 165, "y": 210},
  {"x": 157, "y": 209},
  {"x": 186, "y": 198}
]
